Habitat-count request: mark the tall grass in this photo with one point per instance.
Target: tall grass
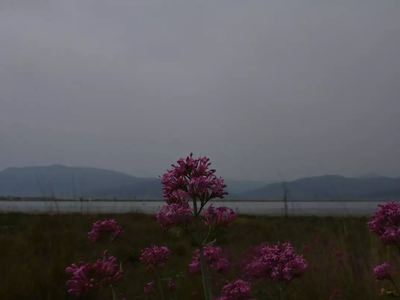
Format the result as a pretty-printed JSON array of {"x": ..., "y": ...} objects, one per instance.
[{"x": 36, "y": 249}]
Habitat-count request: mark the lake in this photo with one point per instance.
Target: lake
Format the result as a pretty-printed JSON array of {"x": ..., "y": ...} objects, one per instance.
[{"x": 251, "y": 207}]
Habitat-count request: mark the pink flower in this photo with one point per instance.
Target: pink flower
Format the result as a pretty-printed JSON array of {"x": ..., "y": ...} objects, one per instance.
[
  {"x": 383, "y": 271},
  {"x": 238, "y": 290},
  {"x": 213, "y": 257},
  {"x": 220, "y": 216},
  {"x": 172, "y": 286},
  {"x": 177, "y": 197},
  {"x": 108, "y": 270},
  {"x": 386, "y": 223},
  {"x": 82, "y": 279},
  {"x": 87, "y": 277},
  {"x": 103, "y": 229},
  {"x": 194, "y": 178},
  {"x": 175, "y": 215},
  {"x": 278, "y": 262},
  {"x": 155, "y": 257},
  {"x": 149, "y": 289}
]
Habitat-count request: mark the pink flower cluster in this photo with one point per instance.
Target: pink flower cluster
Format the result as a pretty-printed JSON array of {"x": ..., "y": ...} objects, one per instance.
[
  {"x": 104, "y": 229},
  {"x": 238, "y": 290},
  {"x": 86, "y": 277},
  {"x": 155, "y": 257},
  {"x": 386, "y": 223},
  {"x": 278, "y": 262},
  {"x": 149, "y": 289},
  {"x": 213, "y": 258},
  {"x": 192, "y": 177},
  {"x": 220, "y": 216},
  {"x": 175, "y": 215},
  {"x": 82, "y": 279},
  {"x": 383, "y": 271}
]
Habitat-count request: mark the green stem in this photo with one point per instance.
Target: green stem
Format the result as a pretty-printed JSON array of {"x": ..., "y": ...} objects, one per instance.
[
  {"x": 207, "y": 290},
  {"x": 160, "y": 285},
  {"x": 205, "y": 240},
  {"x": 391, "y": 280},
  {"x": 281, "y": 292},
  {"x": 398, "y": 248},
  {"x": 114, "y": 293}
]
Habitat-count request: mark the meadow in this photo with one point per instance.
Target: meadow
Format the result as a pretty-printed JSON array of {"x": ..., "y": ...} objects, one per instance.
[{"x": 340, "y": 251}]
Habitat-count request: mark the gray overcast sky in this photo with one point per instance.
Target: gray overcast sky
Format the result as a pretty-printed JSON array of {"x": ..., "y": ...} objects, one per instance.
[{"x": 255, "y": 85}]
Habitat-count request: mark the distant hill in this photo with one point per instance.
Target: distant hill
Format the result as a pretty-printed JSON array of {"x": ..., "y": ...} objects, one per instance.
[
  {"x": 331, "y": 187},
  {"x": 235, "y": 187},
  {"x": 75, "y": 182},
  {"x": 72, "y": 183},
  {"x": 62, "y": 182}
]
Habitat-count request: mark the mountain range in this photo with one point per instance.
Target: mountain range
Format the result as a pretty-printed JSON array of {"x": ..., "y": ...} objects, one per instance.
[
  {"x": 331, "y": 187},
  {"x": 76, "y": 182},
  {"x": 64, "y": 182}
]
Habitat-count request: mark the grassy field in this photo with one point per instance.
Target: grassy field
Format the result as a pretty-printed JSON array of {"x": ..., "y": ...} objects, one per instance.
[{"x": 36, "y": 249}]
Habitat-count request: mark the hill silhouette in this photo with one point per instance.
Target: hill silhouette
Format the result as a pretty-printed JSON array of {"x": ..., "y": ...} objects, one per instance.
[
  {"x": 75, "y": 182},
  {"x": 60, "y": 181},
  {"x": 331, "y": 187}
]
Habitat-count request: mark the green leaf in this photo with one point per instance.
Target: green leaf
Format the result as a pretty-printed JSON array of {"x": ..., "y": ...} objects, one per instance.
[{"x": 392, "y": 294}]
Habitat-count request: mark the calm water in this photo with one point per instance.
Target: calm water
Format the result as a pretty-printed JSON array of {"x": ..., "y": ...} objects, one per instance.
[{"x": 153, "y": 206}]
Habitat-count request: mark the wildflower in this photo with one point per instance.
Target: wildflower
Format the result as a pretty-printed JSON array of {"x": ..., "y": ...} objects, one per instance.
[
  {"x": 149, "y": 289},
  {"x": 213, "y": 257},
  {"x": 155, "y": 257},
  {"x": 177, "y": 197},
  {"x": 174, "y": 215},
  {"x": 383, "y": 271},
  {"x": 194, "y": 178},
  {"x": 278, "y": 262},
  {"x": 238, "y": 290},
  {"x": 108, "y": 270},
  {"x": 86, "y": 277},
  {"x": 172, "y": 286},
  {"x": 103, "y": 229},
  {"x": 386, "y": 222},
  {"x": 82, "y": 280},
  {"x": 220, "y": 216}
]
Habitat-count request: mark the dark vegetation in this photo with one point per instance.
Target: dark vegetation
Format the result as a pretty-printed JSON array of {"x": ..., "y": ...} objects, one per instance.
[{"x": 36, "y": 249}]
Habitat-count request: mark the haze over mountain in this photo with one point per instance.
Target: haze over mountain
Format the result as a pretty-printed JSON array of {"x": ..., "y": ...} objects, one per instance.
[
  {"x": 331, "y": 187},
  {"x": 75, "y": 182}
]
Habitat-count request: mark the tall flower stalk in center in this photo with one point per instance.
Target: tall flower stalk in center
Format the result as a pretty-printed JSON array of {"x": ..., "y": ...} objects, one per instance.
[{"x": 187, "y": 188}]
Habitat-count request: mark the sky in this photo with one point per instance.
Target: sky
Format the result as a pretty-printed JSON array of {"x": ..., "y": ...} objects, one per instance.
[{"x": 266, "y": 89}]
